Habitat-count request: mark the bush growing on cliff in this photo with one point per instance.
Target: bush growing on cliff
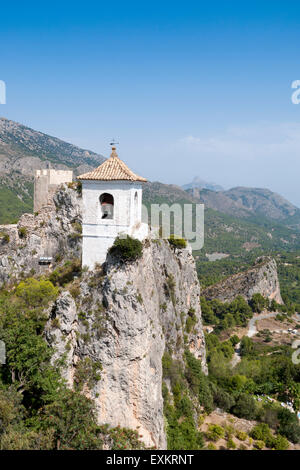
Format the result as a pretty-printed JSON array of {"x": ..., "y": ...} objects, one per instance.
[
  {"x": 66, "y": 273},
  {"x": 126, "y": 249},
  {"x": 258, "y": 303},
  {"x": 198, "y": 382},
  {"x": 22, "y": 231}
]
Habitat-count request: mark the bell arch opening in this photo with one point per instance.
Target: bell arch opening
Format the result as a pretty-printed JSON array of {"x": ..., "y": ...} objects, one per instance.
[{"x": 107, "y": 206}]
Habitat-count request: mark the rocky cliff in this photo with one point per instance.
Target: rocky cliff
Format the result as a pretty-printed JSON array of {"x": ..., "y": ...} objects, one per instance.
[
  {"x": 111, "y": 327},
  {"x": 55, "y": 233},
  {"x": 261, "y": 278}
]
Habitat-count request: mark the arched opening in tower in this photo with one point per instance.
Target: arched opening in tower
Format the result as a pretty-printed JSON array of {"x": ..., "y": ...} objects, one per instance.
[{"x": 107, "y": 206}]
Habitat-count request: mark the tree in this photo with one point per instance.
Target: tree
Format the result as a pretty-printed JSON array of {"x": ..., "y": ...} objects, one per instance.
[
  {"x": 258, "y": 303},
  {"x": 245, "y": 407},
  {"x": 72, "y": 418},
  {"x": 126, "y": 249},
  {"x": 35, "y": 293},
  {"x": 247, "y": 346}
]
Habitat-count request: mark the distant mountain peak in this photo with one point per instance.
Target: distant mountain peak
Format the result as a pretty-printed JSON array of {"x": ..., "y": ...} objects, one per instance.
[{"x": 199, "y": 183}]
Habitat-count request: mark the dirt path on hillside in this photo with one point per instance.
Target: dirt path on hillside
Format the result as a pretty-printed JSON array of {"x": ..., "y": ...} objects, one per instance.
[{"x": 252, "y": 330}]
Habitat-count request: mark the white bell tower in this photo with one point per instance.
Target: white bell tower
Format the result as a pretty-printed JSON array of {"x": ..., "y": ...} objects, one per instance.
[{"x": 112, "y": 205}]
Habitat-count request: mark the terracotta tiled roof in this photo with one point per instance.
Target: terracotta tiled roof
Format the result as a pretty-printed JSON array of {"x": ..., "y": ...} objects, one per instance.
[{"x": 112, "y": 169}]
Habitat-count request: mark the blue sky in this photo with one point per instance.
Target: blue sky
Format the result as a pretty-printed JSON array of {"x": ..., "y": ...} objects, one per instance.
[{"x": 187, "y": 88}]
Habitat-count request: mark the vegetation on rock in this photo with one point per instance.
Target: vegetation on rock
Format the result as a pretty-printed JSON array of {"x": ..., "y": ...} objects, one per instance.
[{"x": 126, "y": 249}]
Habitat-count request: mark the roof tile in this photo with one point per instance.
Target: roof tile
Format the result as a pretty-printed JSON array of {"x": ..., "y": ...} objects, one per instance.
[{"x": 112, "y": 169}]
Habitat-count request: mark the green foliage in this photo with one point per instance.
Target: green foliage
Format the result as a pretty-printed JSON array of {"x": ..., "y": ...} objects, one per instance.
[
  {"x": 247, "y": 346},
  {"x": 66, "y": 273},
  {"x": 259, "y": 445},
  {"x": 191, "y": 320},
  {"x": 224, "y": 314},
  {"x": 12, "y": 206},
  {"x": 182, "y": 431},
  {"x": 72, "y": 417},
  {"x": 37, "y": 411},
  {"x": 36, "y": 293},
  {"x": 261, "y": 432},
  {"x": 4, "y": 237},
  {"x": 126, "y": 249},
  {"x": 122, "y": 438},
  {"x": 258, "y": 303},
  {"x": 231, "y": 444},
  {"x": 215, "y": 432},
  {"x": 87, "y": 373},
  {"x": 245, "y": 407},
  {"x": 241, "y": 435},
  {"x": 198, "y": 382},
  {"x": 22, "y": 231},
  {"x": 289, "y": 425},
  {"x": 280, "y": 443}
]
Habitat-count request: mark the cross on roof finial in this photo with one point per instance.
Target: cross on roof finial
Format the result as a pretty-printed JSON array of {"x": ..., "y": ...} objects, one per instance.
[{"x": 113, "y": 144}]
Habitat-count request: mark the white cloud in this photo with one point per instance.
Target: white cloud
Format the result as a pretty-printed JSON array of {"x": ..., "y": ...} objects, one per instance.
[
  {"x": 260, "y": 141},
  {"x": 260, "y": 155}
]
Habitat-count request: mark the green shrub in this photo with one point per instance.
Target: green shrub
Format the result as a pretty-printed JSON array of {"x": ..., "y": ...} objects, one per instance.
[
  {"x": 211, "y": 446},
  {"x": 261, "y": 432},
  {"x": 126, "y": 249},
  {"x": 177, "y": 242},
  {"x": 22, "y": 231},
  {"x": 35, "y": 293},
  {"x": 231, "y": 444},
  {"x": 242, "y": 436},
  {"x": 245, "y": 407},
  {"x": 258, "y": 303},
  {"x": 5, "y": 237},
  {"x": 215, "y": 432},
  {"x": 66, "y": 273},
  {"x": 198, "y": 381},
  {"x": 289, "y": 425},
  {"x": 280, "y": 443},
  {"x": 259, "y": 445}
]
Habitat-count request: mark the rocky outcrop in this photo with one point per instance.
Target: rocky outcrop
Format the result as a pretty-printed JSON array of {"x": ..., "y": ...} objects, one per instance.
[
  {"x": 53, "y": 233},
  {"x": 261, "y": 278},
  {"x": 124, "y": 318},
  {"x": 117, "y": 320}
]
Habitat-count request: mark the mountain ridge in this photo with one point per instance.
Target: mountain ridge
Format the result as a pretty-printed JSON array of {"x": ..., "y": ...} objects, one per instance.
[
  {"x": 249, "y": 203},
  {"x": 24, "y": 150}
]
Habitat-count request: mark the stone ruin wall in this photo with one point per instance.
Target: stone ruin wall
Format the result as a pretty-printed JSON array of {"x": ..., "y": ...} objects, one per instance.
[{"x": 46, "y": 183}]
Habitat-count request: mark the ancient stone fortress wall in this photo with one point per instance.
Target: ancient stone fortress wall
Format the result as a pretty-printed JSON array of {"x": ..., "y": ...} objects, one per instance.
[{"x": 46, "y": 183}]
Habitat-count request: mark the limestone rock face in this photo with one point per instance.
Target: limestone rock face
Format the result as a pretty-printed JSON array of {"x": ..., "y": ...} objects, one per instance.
[
  {"x": 51, "y": 233},
  {"x": 261, "y": 278},
  {"x": 119, "y": 317},
  {"x": 124, "y": 318}
]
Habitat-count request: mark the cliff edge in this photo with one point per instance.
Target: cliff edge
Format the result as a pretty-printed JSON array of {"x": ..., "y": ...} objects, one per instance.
[{"x": 262, "y": 278}]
